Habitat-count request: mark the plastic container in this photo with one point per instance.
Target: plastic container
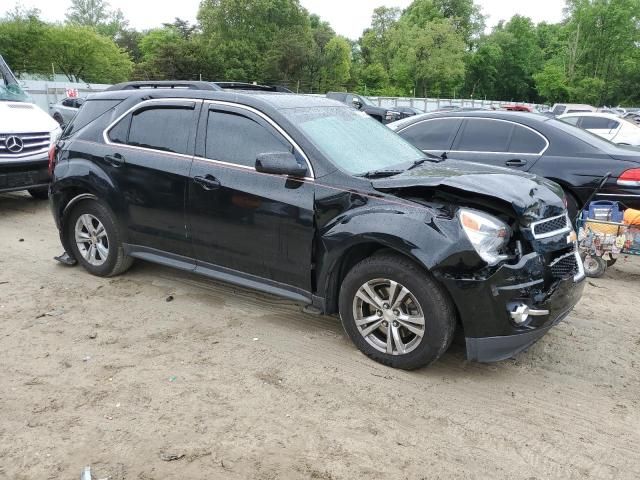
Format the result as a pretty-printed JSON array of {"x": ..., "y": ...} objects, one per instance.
[{"x": 604, "y": 211}]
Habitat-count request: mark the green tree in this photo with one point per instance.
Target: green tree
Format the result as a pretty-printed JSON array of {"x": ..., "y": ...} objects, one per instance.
[
  {"x": 22, "y": 41},
  {"x": 96, "y": 14},
  {"x": 82, "y": 54},
  {"x": 336, "y": 68},
  {"x": 429, "y": 60}
]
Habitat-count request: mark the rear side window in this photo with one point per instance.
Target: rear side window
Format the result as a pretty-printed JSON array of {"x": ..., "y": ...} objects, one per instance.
[
  {"x": 234, "y": 138},
  {"x": 90, "y": 111},
  {"x": 524, "y": 140},
  {"x": 598, "y": 123},
  {"x": 482, "y": 135},
  {"x": 432, "y": 134},
  {"x": 161, "y": 128},
  {"x": 571, "y": 120}
]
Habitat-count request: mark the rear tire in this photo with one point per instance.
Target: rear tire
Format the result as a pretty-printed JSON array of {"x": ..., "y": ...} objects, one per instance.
[
  {"x": 95, "y": 238},
  {"x": 408, "y": 322},
  {"x": 39, "y": 193}
]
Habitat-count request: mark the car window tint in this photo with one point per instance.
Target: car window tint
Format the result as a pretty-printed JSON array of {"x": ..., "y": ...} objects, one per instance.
[
  {"x": 119, "y": 133},
  {"x": 157, "y": 128},
  {"x": 480, "y": 135},
  {"x": 432, "y": 134},
  {"x": 238, "y": 139},
  {"x": 596, "y": 123},
  {"x": 524, "y": 140},
  {"x": 68, "y": 102},
  {"x": 90, "y": 111}
]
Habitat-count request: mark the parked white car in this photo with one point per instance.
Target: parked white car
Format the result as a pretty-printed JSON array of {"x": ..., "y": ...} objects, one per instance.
[
  {"x": 64, "y": 111},
  {"x": 564, "y": 108},
  {"x": 606, "y": 125}
]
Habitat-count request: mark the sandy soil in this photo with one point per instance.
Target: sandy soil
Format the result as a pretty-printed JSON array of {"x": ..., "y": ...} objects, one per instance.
[{"x": 225, "y": 383}]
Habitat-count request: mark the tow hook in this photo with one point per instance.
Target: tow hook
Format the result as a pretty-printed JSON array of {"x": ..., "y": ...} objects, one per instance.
[{"x": 521, "y": 312}]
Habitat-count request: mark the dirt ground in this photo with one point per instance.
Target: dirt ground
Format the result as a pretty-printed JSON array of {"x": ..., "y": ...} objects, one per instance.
[{"x": 226, "y": 383}]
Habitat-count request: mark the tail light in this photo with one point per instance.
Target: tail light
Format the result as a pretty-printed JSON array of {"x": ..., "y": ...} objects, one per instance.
[
  {"x": 52, "y": 159},
  {"x": 630, "y": 178}
]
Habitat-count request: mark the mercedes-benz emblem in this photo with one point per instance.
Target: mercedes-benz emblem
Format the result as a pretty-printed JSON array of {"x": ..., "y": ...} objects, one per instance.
[{"x": 14, "y": 144}]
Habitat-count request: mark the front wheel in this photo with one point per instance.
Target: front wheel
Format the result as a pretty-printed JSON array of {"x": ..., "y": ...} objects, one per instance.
[
  {"x": 395, "y": 312},
  {"x": 594, "y": 267},
  {"x": 96, "y": 239}
]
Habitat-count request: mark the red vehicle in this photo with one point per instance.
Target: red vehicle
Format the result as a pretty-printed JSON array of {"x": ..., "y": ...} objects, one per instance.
[{"x": 519, "y": 108}]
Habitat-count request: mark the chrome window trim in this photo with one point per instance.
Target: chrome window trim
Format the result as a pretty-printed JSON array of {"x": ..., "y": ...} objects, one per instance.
[
  {"x": 279, "y": 129},
  {"x": 542, "y": 152},
  {"x": 554, "y": 233}
]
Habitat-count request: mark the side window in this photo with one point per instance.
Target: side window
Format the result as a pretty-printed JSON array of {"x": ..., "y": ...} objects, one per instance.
[
  {"x": 161, "y": 128},
  {"x": 119, "y": 133},
  {"x": 559, "y": 109},
  {"x": 596, "y": 123},
  {"x": 524, "y": 140},
  {"x": 68, "y": 102},
  {"x": 433, "y": 134},
  {"x": 571, "y": 120},
  {"x": 482, "y": 135},
  {"x": 234, "y": 138}
]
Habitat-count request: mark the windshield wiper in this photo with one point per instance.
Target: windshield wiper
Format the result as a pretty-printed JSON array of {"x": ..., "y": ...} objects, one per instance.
[
  {"x": 430, "y": 158},
  {"x": 381, "y": 173}
]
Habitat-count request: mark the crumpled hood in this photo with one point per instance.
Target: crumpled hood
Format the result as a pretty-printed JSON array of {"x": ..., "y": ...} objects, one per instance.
[
  {"x": 529, "y": 195},
  {"x": 21, "y": 117}
]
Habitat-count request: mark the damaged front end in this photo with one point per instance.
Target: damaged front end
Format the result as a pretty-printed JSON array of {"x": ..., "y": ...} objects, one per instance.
[{"x": 510, "y": 297}]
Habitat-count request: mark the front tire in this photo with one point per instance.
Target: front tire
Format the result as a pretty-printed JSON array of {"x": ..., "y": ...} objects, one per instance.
[
  {"x": 96, "y": 239},
  {"x": 594, "y": 267},
  {"x": 39, "y": 193},
  {"x": 395, "y": 312}
]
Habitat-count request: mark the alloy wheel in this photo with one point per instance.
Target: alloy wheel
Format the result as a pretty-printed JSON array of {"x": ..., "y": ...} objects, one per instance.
[
  {"x": 389, "y": 317},
  {"x": 92, "y": 239}
]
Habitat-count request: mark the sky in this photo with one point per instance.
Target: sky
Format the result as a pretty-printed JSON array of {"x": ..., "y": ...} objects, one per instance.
[{"x": 347, "y": 17}]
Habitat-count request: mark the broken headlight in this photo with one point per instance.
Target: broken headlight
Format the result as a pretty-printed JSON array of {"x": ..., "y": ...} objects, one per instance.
[{"x": 488, "y": 234}]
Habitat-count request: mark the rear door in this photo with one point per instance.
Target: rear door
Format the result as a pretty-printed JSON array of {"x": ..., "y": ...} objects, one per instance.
[
  {"x": 148, "y": 156},
  {"x": 498, "y": 142},
  {"x": 250, "y": 223}
]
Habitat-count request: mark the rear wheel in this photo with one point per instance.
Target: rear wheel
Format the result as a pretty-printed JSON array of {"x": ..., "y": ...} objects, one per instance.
[
  {"x": 39, "y": 193},
  {"x": 395, "y": 312},
  {"x": 96, "y": 240}
]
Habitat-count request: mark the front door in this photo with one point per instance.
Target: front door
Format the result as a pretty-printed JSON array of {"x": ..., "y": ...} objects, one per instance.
[{"x": 251, "y": 223}]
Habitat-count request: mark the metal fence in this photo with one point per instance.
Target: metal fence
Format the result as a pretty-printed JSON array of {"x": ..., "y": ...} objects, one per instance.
[{"x": 45, "y": 93}]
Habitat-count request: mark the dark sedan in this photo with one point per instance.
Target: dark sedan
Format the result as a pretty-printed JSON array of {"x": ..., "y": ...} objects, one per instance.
[{"x": 572, "y": 157}]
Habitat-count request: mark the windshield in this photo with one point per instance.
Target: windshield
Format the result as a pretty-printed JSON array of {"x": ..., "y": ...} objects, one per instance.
[
  {"x": 352, "y": 140},
  {"x": 10, "y": 90},
  {"x": 366, "y": 101}
]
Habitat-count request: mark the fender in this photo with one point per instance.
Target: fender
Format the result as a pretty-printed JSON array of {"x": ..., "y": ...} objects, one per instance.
[{"x": 426, "y": 235}]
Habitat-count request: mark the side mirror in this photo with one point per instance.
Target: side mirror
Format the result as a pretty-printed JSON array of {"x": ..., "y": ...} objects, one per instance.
[
  {"x": 281, "y": 163},
  {"x": 357, "y": 103}
]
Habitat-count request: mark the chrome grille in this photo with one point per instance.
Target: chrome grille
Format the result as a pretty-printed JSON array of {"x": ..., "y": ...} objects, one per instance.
[
  {"x": 16, "y": 145},
  {"x": 551, "y": 227},
  {"x": 565, "y": 266}
]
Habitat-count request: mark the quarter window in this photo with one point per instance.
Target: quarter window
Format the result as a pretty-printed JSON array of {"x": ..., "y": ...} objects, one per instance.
[
  {"x": 432, "y": 134},
  {"x": 161, "y": 128},
  {"x": 238, "y": 139},
  {"x": 481, "y": 135},
  {"x": 526, "y": 141}
]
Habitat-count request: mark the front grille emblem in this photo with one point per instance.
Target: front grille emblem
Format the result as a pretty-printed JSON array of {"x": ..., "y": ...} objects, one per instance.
[{"x": 14, "y": 144}]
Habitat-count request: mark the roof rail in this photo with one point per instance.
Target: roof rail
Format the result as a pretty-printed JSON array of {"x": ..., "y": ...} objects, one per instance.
[{"x": 181, "y": 84}]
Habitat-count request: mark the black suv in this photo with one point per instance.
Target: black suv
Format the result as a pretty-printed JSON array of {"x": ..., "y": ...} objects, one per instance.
[
  {"x": 381, "y": 114},
  {"x": 308, "y": 199}
]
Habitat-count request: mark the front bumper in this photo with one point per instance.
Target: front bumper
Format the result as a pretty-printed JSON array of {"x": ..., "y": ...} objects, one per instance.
[
  {"x": 23, "y": 175},
  {"x": 483, "y": 306}
]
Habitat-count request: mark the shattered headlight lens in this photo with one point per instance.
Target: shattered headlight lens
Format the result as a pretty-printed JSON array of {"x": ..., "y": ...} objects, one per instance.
[{"x": 487, "y": 234}]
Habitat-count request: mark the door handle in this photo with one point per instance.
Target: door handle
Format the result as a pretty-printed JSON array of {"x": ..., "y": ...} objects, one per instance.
[
  {"x": 115, "y": 160},
  {"x": 516, "y": 162},
  {"x": 208, "y": 182}
]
